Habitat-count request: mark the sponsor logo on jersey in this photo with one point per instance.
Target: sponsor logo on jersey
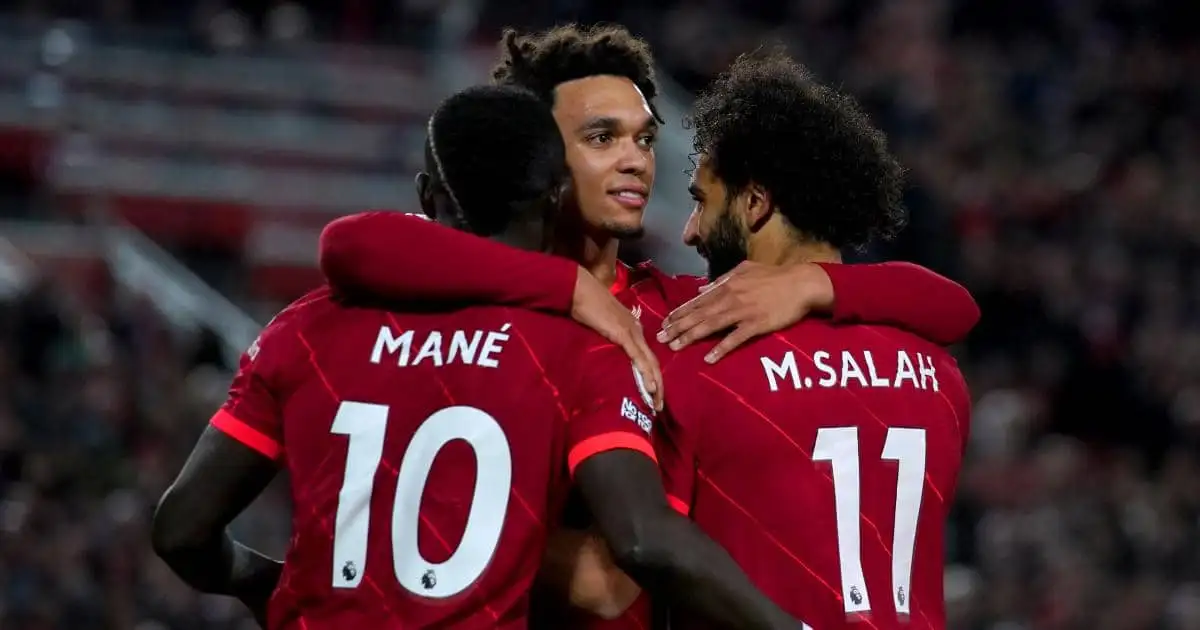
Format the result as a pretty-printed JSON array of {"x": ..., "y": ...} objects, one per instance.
[{"x": 630, "y": 411}]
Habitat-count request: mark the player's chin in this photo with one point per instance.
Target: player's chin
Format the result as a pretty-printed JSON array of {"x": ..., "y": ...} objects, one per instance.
[{"x": 624, "y": 223}]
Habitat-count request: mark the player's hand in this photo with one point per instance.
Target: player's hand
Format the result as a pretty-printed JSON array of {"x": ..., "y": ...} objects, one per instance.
[
  {"x": 754, "y": 299},
  {"x": 595, "y": 307}
]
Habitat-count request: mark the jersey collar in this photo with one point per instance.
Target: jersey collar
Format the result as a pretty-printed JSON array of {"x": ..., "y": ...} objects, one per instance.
[{"x": 621, "y": 281}]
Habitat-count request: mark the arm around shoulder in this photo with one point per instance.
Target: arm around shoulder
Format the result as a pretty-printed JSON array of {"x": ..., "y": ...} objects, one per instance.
[{"x": 398, "y": 256}]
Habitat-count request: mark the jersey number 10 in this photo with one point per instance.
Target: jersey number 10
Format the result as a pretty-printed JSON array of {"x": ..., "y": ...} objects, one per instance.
[
  {"x": 906, "y": 447},
  {"x": 366, "y": 426}
]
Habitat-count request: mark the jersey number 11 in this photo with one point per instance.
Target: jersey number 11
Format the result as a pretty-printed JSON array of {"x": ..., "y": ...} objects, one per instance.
[{"x": 839, "y": 447}]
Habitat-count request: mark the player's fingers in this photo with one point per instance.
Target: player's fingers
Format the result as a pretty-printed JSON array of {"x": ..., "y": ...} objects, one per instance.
[
  {"x": 671, "y": 321},
  {"x": 705, "y": 326},
  {"x": 645, "y": 365},
  {"x": 649, "y": 379},
  {"x": 691, "y": 312},
  {"x": 651, "y": 373},
  {"x": 731, "y": 342},
  {"x": 671, "y": 333}
]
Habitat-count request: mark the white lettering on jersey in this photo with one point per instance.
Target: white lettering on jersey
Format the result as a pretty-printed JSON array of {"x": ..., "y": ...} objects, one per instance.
[
  {"x": 630, "y": 411},
  {"x": 785, "y": 368},
  {"x": 850, "y": 368},
  {"x": 438, "y": 349}
]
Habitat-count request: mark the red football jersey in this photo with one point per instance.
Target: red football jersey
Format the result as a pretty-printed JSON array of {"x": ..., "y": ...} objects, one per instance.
[
  {"x": 427, "y": 453},
  {"x": 650, "y": 294},
  {"x": 824, "y": 459}
]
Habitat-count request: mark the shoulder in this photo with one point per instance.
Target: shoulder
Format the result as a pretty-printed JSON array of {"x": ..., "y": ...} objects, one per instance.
[
  {"x": 672, "y": 290},
  {"x": 567, "y": 350},
  {"x": 953, "y": 383},
  {"x": 548, "y": 336},
  {"x": 278, "y": 341}
]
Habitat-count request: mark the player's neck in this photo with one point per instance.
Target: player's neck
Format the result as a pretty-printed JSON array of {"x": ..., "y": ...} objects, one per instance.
[
  {"x": 781, "y": 247},
  {"x": 597, "y": 254},
  {"x": 526, "y": 237}
]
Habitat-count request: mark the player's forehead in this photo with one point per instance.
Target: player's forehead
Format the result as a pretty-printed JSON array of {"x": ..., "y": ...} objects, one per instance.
[
  {"x": 603, "y": 99},
  {"x": 703, "y": 176}
]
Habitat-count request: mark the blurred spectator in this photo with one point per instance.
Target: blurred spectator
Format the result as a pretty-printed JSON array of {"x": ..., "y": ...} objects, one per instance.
[{"x": 94, "y": 421}]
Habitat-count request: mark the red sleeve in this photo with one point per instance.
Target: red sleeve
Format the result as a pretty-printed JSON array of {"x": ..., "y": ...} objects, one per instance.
[
  {"x": 675, "y": 438},
  {"x": 400, "y": 256},
  {"x": 607, "y": 408},
  {"x": 251, "y": 413},
  {"x": 904, "y": 295}
]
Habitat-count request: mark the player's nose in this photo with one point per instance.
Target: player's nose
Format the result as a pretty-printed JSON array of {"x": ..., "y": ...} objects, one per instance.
[
  {"x": 634, "y": 160},
  {"x": 691, "y": 230}
]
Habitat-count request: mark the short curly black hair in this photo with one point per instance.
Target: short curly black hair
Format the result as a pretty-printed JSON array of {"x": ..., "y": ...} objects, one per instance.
[
  {"x": 540, "y": 62},
  {"x": 495, "y": 150},
  {"x": 826, "y": 167}
]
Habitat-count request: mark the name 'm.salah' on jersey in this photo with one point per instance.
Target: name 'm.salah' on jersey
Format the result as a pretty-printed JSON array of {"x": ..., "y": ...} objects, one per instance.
[
  {"x": 426, "y": 453},
  {"x": 824, "y": 459}
]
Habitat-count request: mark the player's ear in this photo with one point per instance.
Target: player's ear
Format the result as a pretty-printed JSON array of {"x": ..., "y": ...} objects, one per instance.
[
  {"x": 425, "y": 194},
  {"x": 756, "y": 206}
]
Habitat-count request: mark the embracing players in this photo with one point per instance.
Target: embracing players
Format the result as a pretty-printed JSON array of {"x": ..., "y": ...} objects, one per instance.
[
  {"x": 600, "y": 83},
  {"x": 430, "y": 445},
  {"x": 380, "y": 252}
]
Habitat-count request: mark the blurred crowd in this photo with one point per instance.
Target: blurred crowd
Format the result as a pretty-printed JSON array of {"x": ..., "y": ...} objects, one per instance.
[
  {"x": 1053, "y": 150},
  {"x": 100, "y": 401}
]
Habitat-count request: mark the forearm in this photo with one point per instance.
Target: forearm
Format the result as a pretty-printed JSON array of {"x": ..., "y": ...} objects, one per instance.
[
  {"x": 223, "y": 566},
  {"x": 392, "y": 255},
  {"x": 678, "y": 561},
  {"x": 904, "y": 295}
]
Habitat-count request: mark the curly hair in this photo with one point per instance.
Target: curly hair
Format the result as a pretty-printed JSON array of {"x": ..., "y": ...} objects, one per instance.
[
  {"x": 826, "y": 167},
  {"x": 540, "y": 62}
]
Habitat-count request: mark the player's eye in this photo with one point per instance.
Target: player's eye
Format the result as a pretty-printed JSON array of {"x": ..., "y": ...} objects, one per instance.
[
  {"x": 648, "y": 140},
  {"x": 599, "y": 139}
]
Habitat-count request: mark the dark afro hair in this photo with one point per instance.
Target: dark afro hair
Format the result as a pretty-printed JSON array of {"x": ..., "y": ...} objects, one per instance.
[
  {"x": 542, "y": 61},
  {"x": 495, "y": 148},
  {"x": 827, "y": 169}
]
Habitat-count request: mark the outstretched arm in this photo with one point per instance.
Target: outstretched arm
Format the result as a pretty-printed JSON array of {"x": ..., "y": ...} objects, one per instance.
[
  {"x": 221, "y": 477},
  {"x": 756, "y": 299},
  {"x": 390, "y": 254},
  {"x": 398, "y": 256},
  {"x": 903, "y": 295},
  {"x": 664, "y": 551},
  {"x": 402, "y": 257}
]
